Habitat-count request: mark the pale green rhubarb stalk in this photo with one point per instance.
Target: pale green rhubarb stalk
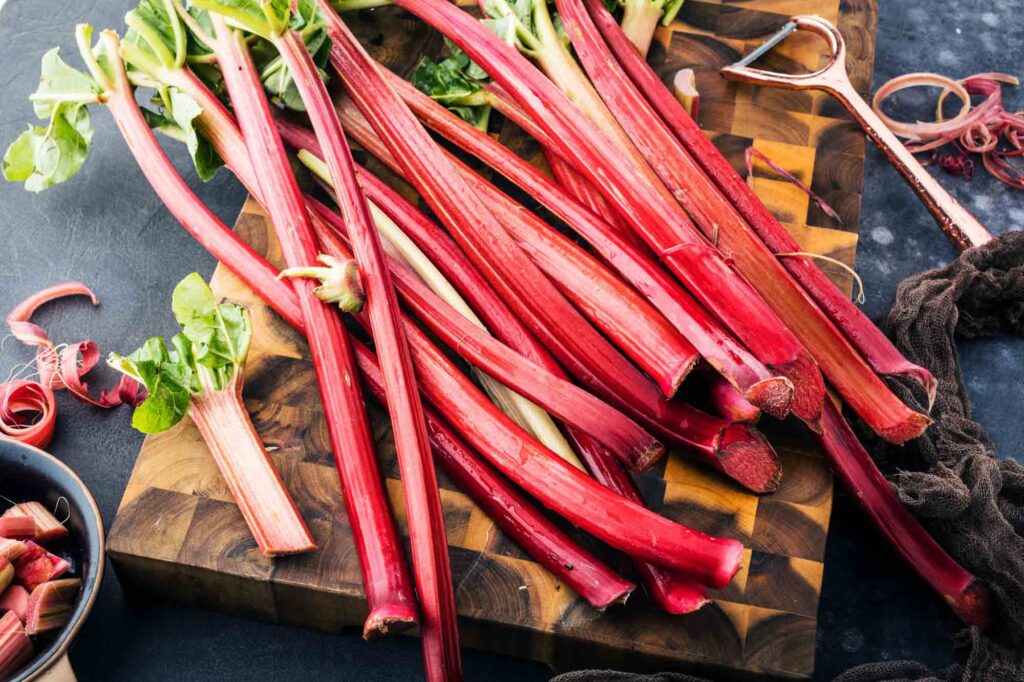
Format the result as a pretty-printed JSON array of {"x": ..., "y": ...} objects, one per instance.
[
  {"x": 202, "y": 377},
  {"x": 425, "y": 517},
  {"x": 400, "y": 247},
  {"x": 662, "y": 223},
  {"x": 640, "y": 18}
]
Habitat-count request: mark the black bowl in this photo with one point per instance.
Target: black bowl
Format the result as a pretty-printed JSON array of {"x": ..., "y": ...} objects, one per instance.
[{"x": 27, "y": 473}]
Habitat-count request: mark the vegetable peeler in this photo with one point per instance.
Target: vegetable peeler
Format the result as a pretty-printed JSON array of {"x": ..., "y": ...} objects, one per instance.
[{"x": 962, "y": 228}]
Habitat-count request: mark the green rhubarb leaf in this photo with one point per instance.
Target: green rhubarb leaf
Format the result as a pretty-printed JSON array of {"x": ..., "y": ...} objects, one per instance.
[
  {"x": 220, "y": 333},
  {"x": 176, "y": 118},
  {"x": 671, "y": 9},
  {"x": 455, "y": 82},
  {"x": 265, "y": 18},
  {"x": 169, "y": 380},
  {"x": 44, "y": 156}
]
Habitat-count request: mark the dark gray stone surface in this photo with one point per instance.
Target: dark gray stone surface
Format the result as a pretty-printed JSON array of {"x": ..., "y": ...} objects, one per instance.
[{"x": 107, "y": 229}]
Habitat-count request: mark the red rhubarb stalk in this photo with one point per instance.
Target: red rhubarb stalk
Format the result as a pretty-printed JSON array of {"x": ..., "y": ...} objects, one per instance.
[
  {"x": 513, "y": 513},
  {"x": 968, "y": 596},
  {"x": 50, "y": 605},
  {"x": 425, "y": 517},
  {"x": 714, "y": 214},
  {"x": 584, "y": 192},
  {"x": 387, "y": 586},
  {"x": 723, "y": 399},
  {"x": 664, "y": 225},
  {"x": 17, "y": 528},
  {"x": 877, "y": 350}
]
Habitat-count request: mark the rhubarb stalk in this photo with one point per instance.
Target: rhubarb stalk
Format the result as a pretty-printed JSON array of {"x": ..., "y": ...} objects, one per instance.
[
  {"x": 15, "y": 646},
  {"x": 877, "y": 350},
  {"x": 202, "y": 377},
  {"x": 968, "y": 596},
  {"x": 664, "y": 225}
]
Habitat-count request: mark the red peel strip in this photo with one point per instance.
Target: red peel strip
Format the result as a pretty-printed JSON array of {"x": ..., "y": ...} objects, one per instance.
[
  {"x": 28, "y": 412},
  {"x": 58, "y": 370},
  {"x": 752, "y": 152}
]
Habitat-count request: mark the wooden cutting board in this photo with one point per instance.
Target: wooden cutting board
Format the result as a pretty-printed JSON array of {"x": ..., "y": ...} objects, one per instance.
[{"x": 178, "y": 534}]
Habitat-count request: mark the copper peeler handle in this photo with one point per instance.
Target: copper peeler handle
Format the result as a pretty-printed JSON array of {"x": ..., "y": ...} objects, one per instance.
[{"x": 962, "y": 228}]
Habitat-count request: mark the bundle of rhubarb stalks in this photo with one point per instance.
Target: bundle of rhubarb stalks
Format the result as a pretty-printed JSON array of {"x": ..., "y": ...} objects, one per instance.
[{"x": 653, "y": 263}]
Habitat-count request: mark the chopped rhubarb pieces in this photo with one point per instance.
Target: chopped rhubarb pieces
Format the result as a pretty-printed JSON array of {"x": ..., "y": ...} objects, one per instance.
[
  {"x": 15, "y": 646},
  {"x": 17, "y": 528},
  {"x": 50, "y": 605},
  {"x": 37, "y": 566},
  {"x": 11, "y": 549},
  {"x": 47, "y": 527},
  {"x": 15, "y": 598}
]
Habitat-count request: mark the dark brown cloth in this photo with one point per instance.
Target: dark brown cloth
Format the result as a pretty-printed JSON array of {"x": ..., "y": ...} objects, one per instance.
[{"x": 951, "y": 478}]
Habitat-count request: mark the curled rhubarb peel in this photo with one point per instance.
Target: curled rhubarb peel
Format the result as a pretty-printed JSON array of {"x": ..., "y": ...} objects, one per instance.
[
  {"x": 65, "y": 368},
  {"x": 28, "y": 412}
]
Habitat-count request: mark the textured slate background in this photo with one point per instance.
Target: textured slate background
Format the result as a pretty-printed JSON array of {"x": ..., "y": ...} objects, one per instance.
[{"x": 107, "y": 229}]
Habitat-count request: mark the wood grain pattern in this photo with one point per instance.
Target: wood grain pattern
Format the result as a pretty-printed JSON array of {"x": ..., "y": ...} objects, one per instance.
[{"x": 178, "y": 534}]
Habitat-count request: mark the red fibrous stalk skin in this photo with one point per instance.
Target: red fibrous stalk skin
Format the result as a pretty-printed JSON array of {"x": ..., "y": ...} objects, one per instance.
[
  {"x": 47, "y": 526},
  {"x": 252, "y": 478},
  {"x": 388, "y": 588},
  {"x": 578, "y": 186},
  {"x": 17, "y": 528},
  {"x": 673, "y": 592},
  {"x": 877, "y": 350},
  {"x": 841, "y": 364},
  {"x": 634, "y": 446},
  {"x": 587, "y": 354},
  {"x": 425, "y": 517},
  {"x": 663, "y": 224},
  {"x": 772, "y": 393},
  {"x": 15, "y": 646},
  {"x": 513, "y": 513},
  {"x": 613, "y": 307},
  {"x": 968, "y": 596}
]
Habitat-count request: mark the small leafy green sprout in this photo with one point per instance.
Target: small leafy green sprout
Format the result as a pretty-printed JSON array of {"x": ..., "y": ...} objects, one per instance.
[
  {"x": 339, "y": 282},
  {"x": 207, "y": 355}
]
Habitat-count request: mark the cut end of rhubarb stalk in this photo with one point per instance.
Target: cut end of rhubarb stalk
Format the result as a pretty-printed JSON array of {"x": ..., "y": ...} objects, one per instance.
[
  {"x": 672, "y": 382},
  {"x": 389, "y": 619},
  {"x": 973, "y": 605},
  {"x": 908, "y": 429},
  {"x": 808, "y": 389},
  {"x": 615, "y": 597},
  {"x": 690, "y": 599},
  {"x": 746, "y": 457},
  {"x": 732, "y": 553},
  {"x": 774, "y": 396},
  {"x": 924, "y": 378},
  {"x": 644, "y": 457}
]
